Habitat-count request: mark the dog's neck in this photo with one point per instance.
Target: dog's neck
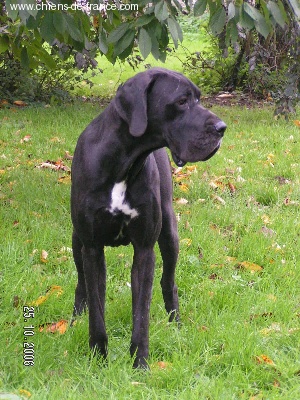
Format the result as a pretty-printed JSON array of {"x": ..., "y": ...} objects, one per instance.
[{"x": 133, "y": 150}]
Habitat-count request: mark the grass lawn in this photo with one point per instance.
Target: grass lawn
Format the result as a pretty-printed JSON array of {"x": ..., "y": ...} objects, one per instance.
[{"x": 238, "y": 272}]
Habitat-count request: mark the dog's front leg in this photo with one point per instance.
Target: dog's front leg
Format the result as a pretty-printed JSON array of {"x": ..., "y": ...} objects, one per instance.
[
  {"x": 95, "y": 279},
  {"x": 141, "y": 284}
]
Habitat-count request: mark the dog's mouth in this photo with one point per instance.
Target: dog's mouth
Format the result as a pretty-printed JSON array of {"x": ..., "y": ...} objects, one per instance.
[
  {"x": 181, "y": 163},
  {"x": 212, "y": 153},
  {"x": 177, "y": 160}
]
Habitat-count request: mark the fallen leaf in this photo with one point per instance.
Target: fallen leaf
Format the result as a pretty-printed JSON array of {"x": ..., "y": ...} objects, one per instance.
[
  {"x": 25, "y": 393},
  {"x": 44, "y": 256},
  {"x": 266, "y": 219},
  {"x": 265, "y": 315},
  {"x": 20, "y": 103},
  {"x": 55, "y": 165},
  {"x": 275, "y": 327},
  {"x": 282, "y": 180},
  {"x": 25, "y": 139},
  {"x": 288, "y": 202},
  {"x": 297, "y": 123},
  {"x": 65, "y": 249},
  {"x": 16, "y": 301},
  {"x": 232, "y": 188},
  {"x": 267, "y": 232},
  {"x": 263, "y": 359},
  {"x": 181, "y": 201},
  {"x": 161, "y": 365},
  {"x": 68, "y": 156},
  {"x": 249, "y": 266},
  {"x": 60, "y": 327},
  {"x": 186, "y": 241},
  {"x": 225, "y": 96},
  {"x": 137, "y": 383},
  {"x": 217, "y": 266},
  {"x": 202, "y": 328},
  {"x": 53, "y": 289},
  {"x": 276, "y": 383},
  {"x": 183, "y": 187},
  {"x": 219, "y": 199},
  {"x": 191, "y": 168},
  {"x": 66, "y": 179}
]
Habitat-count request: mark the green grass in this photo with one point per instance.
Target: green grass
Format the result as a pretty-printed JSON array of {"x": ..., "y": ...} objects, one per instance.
[{"x": 230, "y": 315}]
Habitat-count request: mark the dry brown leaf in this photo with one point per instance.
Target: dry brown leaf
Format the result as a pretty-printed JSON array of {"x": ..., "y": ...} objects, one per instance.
[
  {"x": 25, "y": 393},
  {"x": 44, "y": 256},
  {"x": 68, "y": 156},
  {"x": 53, "y": 289},
  {"x": 186, "y": 241},
  {"x": 231, "y": 187},
  {"x": 20, "y": 103},
  {"x": 263, "y": 359},
  {"x": 66, "y": 179},
  {"x": 183, "y": 187},
  {"x": 25, "y": 139},
  {"x": 161, "y": 365},
  {"x": 249, "y": 266},
  {"x": 181, "y": 201},
  {"x": 219, "y": 200},
  {"x": 60, "y": 327}
]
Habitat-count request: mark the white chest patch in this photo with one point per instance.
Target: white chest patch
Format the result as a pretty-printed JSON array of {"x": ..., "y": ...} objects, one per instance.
[{"x": 118, "y": 203}]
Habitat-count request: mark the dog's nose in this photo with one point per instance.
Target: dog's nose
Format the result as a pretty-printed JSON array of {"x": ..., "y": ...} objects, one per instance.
[{"x": 220, "y": 127}]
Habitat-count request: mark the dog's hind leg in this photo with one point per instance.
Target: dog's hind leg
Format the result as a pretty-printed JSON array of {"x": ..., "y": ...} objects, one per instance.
[
  {"x": 169, "y": 248},
  {"x": 95, "y": 278},
  {"x": 80, "y": 292},
  {"x": 141, "y": 284}
]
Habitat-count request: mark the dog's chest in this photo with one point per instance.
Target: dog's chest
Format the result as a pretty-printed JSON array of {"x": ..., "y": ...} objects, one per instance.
[
  {"x": 119, "y": 214},
  {"x": 118, "y": 203}
]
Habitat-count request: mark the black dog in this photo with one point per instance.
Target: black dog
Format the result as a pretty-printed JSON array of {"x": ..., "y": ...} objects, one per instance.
[{"x": 122, "y": 193}]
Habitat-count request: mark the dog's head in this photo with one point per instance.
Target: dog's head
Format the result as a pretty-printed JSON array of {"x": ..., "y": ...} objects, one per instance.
[{"x": 165, "y": 105}]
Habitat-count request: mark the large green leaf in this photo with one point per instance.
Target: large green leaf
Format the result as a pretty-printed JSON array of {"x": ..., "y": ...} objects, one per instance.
[
  {"x": 103, "y": 46},
  {"x": 262, "y": 27},
  {"x": 276, "y": 13},
  {"x": 200, "y": 7},
  {"x": 125, "y": 41},
  {"x": 161, "y": 10},
  {"x": 217, "y": 21},
  {"x": 145, "y": 43},
  {"x": 260, "y": 21},
  {"x": 231, "y": 11},
  {"x": 47, "y": 29},
  {"x": 252, "y": 12},
  {"x": 4, "y": 43},
  {"x": 175, "y": 31},
  {"x": 59, "y": 22},
  {"x": 72, "y": 28},
  {"x": 12, "y": 11},
  {"x": 245, "y": 20},
  {"x": 24, "y": 58},
  {"x": 118, "y": 33},
  {"x": 144, "y": 20}
]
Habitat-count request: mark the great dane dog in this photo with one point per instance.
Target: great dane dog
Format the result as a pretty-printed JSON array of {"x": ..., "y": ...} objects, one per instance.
[{"x": 122, "y": 193}]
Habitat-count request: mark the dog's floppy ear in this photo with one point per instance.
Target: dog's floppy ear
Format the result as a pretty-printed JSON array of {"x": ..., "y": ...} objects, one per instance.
[{"x": 131, "y": 103}]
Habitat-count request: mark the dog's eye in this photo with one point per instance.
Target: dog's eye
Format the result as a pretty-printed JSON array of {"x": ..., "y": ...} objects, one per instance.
[{"x": 183, "y": 101}]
